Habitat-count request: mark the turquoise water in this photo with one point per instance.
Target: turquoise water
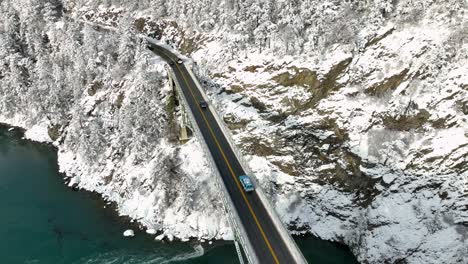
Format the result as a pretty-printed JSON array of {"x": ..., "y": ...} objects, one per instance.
[{"x": 43, "y": 221}]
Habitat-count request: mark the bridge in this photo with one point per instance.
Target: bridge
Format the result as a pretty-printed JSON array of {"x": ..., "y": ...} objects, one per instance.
[{"x": 255, "y": 224}]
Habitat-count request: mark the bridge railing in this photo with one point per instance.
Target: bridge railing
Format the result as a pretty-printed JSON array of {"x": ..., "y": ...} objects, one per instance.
[
  {"x": 289, "y": 241},
  {"x": 233, "y": 217}
]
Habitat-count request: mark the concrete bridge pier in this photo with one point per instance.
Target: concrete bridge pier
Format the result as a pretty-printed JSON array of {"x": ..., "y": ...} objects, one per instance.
[{"x": 185, "y": 130}]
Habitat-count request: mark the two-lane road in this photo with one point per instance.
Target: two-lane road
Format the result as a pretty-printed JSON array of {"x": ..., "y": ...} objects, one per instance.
[{"x": 266, "y": 240}]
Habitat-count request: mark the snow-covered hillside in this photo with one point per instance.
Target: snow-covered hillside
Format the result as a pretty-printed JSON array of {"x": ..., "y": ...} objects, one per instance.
[
  {"x": 353, "y": 113},
  {"x": 372, "y": 133},
  {"x": 102, "y": 99}
]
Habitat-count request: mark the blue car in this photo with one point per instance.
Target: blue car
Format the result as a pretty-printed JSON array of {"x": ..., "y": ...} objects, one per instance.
[{"x": 246, "y": 183}]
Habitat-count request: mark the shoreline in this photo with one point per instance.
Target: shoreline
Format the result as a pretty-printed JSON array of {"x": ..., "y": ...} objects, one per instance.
[{"x": 110, "y": 207}]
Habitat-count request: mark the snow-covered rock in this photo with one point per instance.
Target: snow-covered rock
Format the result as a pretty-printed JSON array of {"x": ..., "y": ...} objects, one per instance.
[
  {"x": 39, "y": 133},
  {"x": 151, "y": 231},
  {"x": 361, "y": 140},
  {"x": 129, "y": 233}
]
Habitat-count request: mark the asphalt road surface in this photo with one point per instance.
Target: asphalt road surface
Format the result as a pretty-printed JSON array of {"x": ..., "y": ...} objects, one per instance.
[{"x": 262, "y": 233}]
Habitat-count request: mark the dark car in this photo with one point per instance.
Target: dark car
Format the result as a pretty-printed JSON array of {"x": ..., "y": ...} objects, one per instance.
[
  {"x": 203, "y": 104},
  {"x": 171, "y": 63}
]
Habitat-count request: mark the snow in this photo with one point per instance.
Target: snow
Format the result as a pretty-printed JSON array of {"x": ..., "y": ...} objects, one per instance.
[
  {"x": 36, "y": 132},
  {"x": 151, "y": 231},
  {"x": 129, "y": 233},
  {"x": 347, "y": 168},
  {"x": 389, "y": 178},
  {"x": 59, "y": 24},
  {"x": 265, "y": 171},
  {"x": 39, "y": 133},
  {"x": 441, "y": 146},
  {"x": 398, "y": 227},
  {"x": 140, "y": 189},
  {"x": 167, "y": 47},
  {"x": 326, "y": 167}
]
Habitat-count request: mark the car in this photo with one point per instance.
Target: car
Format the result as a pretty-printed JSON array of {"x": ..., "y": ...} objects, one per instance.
[
  {"x": 203, "y": 104},
  {"x": 180, "y": 61},
  {"x": 171, "y": 63},
  {"x": 246, "y": 183}
]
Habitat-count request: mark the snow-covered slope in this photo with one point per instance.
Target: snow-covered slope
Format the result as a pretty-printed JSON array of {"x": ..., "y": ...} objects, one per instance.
[
  {"x": 102, "y": 99},
  {"x": 364, "y": 142},
  {"x": 374, "y": 141},
  {"x": 353, "y": 113}
]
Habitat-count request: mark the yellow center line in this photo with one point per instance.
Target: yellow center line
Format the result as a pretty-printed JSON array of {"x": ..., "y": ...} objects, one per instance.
[{"x": 230, "y": 168}]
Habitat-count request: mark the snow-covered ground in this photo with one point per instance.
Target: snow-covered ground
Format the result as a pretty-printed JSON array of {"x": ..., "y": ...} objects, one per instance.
[
  {"x": 353, "y": 115},
  {"x": 102, "y": 100},
  {"x": 364, "y": 143},
  {"x": 160, "y": 192},
  {"x": 379, "y": 163}
]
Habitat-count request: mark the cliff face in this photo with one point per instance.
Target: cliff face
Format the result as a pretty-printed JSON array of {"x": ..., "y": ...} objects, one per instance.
[
  {"x": 353, "y": 115},
  {"x": 362, "y": 141}
]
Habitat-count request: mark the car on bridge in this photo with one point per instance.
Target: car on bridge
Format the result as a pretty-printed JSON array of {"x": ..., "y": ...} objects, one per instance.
[
  {"x": 246, "y": 183},
  {"x": 203, "y": 104}
]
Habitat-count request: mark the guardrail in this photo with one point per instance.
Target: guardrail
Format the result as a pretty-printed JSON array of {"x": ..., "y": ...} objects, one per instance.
[
  {"x": 234, "y": 218},
  {"x": 289, "y": 241}
]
